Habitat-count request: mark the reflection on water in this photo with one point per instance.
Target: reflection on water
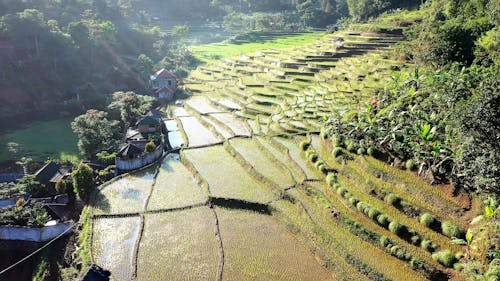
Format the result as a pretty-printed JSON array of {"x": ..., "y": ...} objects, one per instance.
[
  {"x": 131, "y": 194},
  {"x": 175, "y": 140}
]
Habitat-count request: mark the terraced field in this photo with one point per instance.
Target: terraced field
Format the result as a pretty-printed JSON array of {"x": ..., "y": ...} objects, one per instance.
[{"x": 256, "y": 194}]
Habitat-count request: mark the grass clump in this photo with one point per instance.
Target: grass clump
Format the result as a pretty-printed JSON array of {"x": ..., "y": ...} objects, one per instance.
[
  {"x": 396, "y": 227},
  {"x": 351, "y": 147},
  {"x": 450, "y": 229},
  {"x": 445, "y": 258},
  {"x": 384, "y": 241},
  {"x": 313, "y": 157},
  {"x": 373, "y": 213},
  {"x": 354, "y": 201},
  {"x": 361, "y": 151},
  {"x": 427, "y": 219},
  {"x": 304, "y": 145},
  {"x": 410, "y": 165},
  {"x": 372, "y": 151},
  {"x": 337, "y": 151},
  {"x": 342, "y": 191},
  {"x": 415, "y": 239},
  {"x": 383, "y": 220},
  {"x": 427, "y": 245},
  {"x": 393, "y": 199},
  {"x": 331, "y": 179}
]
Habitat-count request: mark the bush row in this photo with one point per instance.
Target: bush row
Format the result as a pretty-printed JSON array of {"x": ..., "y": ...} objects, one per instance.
[{"x": 403, "y": 231}]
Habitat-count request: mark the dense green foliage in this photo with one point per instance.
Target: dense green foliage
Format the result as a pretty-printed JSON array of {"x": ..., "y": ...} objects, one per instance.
[
  {"x": 130, "y": 106},
  {"x": 482, "y": 261},
  {"x": 31, "y": 214},
  {"x": 95, "y": 132},
  {"x": 83, "y": 180},
  {"x": 66, "y": 187},
  {"x": 68, "y": 55}
]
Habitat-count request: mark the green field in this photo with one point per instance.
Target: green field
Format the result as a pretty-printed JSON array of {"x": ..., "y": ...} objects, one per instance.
[
  {"x": 214, "y": 52},
  {"x": 41, "y": 141}
]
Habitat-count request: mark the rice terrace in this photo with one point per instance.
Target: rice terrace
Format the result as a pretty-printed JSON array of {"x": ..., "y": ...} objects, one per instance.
[
  {"x": 255, "y": 192},
  {"x": 242, "y": 140}
]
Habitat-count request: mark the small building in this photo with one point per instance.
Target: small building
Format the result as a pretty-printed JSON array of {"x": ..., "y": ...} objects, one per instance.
[
  {"x": 164, "y": 83},
  {"x": 130, "y": 151},
  {"x": 50, "y": 174},
  {"x": 148, "y": 124}
]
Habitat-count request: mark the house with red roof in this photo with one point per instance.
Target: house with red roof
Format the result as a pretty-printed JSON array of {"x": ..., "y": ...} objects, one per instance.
[{"x": 164, "y": 83}]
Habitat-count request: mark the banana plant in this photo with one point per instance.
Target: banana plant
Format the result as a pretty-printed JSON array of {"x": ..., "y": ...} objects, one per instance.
[{"x": 426, "y": 132}]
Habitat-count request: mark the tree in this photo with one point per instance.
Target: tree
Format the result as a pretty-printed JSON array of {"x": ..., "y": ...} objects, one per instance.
[
  {"x": 83, "y": 180},
  {"x": 64, "y": 186},
  {"x": 144, "y": 66},
  {"x": 25, "y": 27},
  {"x": 130, "y": 105},
  {"x": 95, "y": 132},
  {"x": 28, "y": 184}
]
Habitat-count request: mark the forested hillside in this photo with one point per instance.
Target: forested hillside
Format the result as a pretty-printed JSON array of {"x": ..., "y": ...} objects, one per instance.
[{"x": 70, "y": 55}]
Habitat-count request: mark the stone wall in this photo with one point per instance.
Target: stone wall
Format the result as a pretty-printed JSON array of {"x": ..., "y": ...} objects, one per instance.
[
  {"x": 136, "y": 163},
  {"x": 41, "y": 234}
]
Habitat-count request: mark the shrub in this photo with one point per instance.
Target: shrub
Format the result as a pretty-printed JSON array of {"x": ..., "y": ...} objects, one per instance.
[
  {"x": 427, "y": 245},
  {"x": 427, "y": 219},
  {"x": 361, "y": 151},
  {"x": 337, "y": 151},
  {"x": 105, "y": 158},
  {"x": 383, "y": 220},
  {"x": 351, "y": 147},
  {"x": 150, "y": 146},
  {"x": 384, "y": 241},
  {"x": 361, "y": 206},
  {"x": 395, "y": 249},
  {"x": 341, "y": 191},
  {"x": 83, "y": 180},
  {"x": 353, "y": 201},
  {"x": 337, "y": 140},
  {"x": 393, "y": 199},
  {"x": 323, "y": 169},
  {"x": 304, "y": 145},
  {"x": 372, "y": 151},
  {"x": 396, "y": 227},
  {"x": 415, "y": 239},
  {"x": 313, "y": 157},
  {"x": 410, "y": 165},
  {"x": 445, "y": 258},
  {"x": 331, "y": 179},
  {"x": 450, "y": 229},
  {"x": 319, "y": 163},
  {"x": 373, "y": 214}
]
